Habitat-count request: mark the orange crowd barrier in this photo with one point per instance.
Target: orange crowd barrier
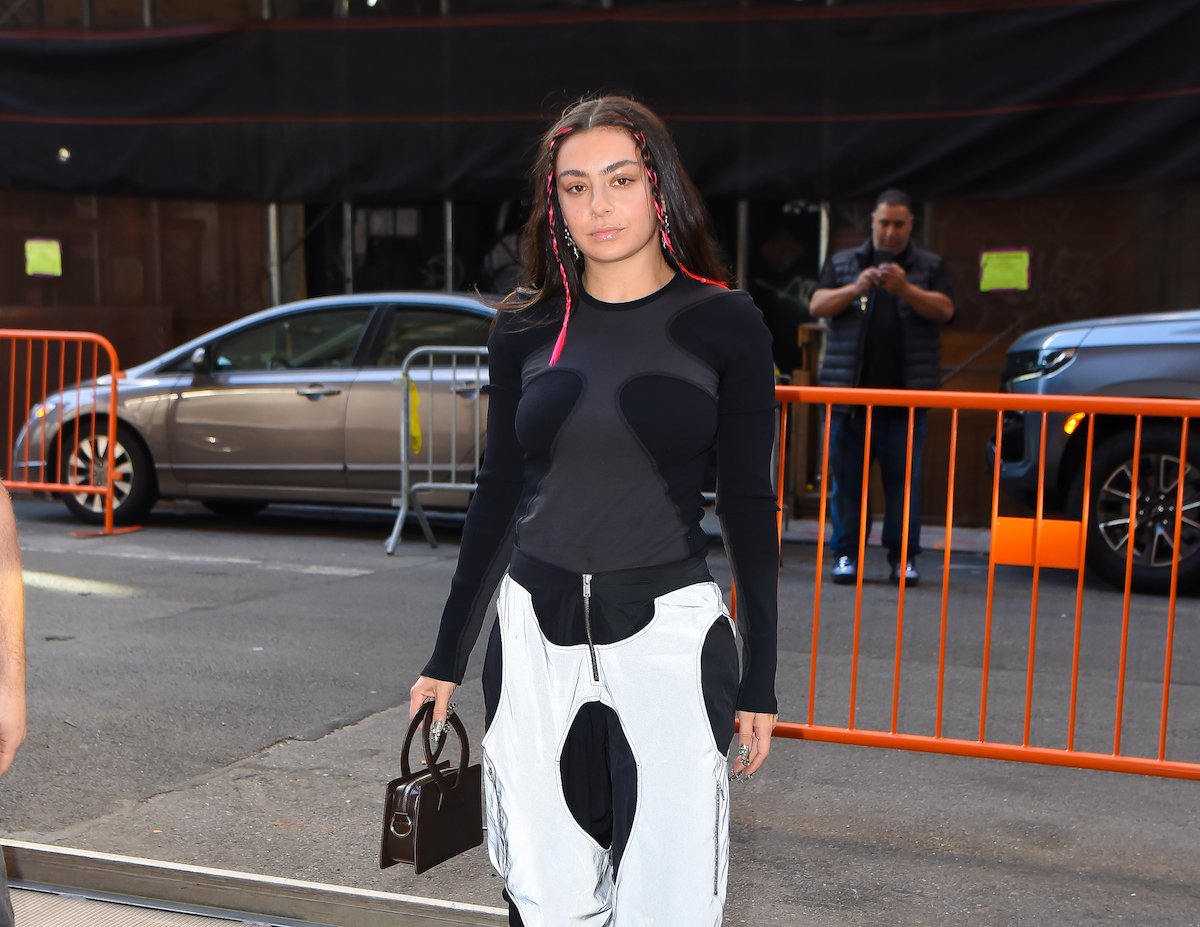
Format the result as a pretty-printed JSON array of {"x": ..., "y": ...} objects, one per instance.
[
  {"x": 58, "y": 437},
  {"x": 980, "y": 670}
]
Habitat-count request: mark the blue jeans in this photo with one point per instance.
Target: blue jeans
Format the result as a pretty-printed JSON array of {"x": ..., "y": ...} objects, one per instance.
[{"x": 889, "y": 442}]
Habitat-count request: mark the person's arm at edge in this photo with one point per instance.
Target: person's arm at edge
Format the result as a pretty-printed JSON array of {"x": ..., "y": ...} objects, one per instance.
[{"x": 12, "y": 637}]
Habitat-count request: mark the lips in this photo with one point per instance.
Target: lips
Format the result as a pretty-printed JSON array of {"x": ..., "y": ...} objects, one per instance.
[{"x": 607, "y": 234}]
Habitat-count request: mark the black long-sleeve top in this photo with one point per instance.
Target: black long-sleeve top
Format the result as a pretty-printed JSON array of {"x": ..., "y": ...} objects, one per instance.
[{"x": 598, "y": 462}]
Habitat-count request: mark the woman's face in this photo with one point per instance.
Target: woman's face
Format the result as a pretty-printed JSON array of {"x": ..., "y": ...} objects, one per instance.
[{"x": 606, "y": 198}]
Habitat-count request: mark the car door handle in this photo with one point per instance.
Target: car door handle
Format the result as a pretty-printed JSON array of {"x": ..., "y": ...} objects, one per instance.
[{"x": 317, "y": 390}]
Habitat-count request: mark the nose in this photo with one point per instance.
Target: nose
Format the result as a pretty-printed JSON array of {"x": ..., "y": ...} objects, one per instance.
[{"x": 600, "y": 203}]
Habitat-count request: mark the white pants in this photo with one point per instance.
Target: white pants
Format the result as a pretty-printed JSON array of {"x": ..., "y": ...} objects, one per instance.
[{"x": 674, "y": 866}]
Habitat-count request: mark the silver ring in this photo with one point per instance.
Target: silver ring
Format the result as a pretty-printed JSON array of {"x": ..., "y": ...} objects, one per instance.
[
  {"x": 436, "y": 729},
  {"x": 744, "y": 753}
]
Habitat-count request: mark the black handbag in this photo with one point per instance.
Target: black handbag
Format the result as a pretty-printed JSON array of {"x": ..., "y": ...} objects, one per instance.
[{"x": 435, "y": 813}]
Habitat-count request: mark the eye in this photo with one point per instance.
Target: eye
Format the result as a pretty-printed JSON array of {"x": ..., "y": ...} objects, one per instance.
[
  {"x": 622, "y": 181},
  {"x": 574, "y": 188}
]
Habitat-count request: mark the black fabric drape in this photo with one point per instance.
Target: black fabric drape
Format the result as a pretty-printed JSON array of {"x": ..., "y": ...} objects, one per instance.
[{"x": 828, "y": 102}]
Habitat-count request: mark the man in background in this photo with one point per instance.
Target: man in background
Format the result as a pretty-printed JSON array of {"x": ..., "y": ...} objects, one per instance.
[
  {"x": 12, "y": 662},
  {"x": 885, "y": 303}
]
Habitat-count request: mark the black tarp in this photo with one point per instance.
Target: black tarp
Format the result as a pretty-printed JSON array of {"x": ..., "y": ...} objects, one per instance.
[{"x": 1014, "y": 97}]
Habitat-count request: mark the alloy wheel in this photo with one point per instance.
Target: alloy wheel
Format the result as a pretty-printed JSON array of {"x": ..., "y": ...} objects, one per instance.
[
  {"x": 1155, "y": 502},
  {"x": 88, "y": 465}
]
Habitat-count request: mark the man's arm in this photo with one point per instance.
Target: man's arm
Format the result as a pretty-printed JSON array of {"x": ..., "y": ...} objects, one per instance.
[
  {"x": 831, "y": 301},
  {"x": 931, "y": 304},
  {"x": 12, "y": 637}
]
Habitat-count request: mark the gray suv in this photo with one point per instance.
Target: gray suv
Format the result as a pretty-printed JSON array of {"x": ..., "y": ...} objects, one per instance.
[{"x": 1154, "y": 355}]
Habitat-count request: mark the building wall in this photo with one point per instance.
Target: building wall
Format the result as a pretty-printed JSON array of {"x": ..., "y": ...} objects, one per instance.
[{"x": 146, "y": 274}]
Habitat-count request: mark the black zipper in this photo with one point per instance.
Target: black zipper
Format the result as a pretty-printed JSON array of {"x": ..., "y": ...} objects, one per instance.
[{"x": 587, "y": 624}]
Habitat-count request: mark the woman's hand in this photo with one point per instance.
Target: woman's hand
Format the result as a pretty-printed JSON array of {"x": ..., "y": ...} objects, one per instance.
[
  {"x": 754, "y": 742},
  {"x": 437, "y": 691}
]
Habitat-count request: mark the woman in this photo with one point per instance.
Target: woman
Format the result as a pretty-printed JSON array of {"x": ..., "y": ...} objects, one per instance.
[{"x": 611, "y": 679}]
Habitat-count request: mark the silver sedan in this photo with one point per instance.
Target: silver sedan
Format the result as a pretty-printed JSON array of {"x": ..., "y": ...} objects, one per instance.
[{"x": 299, "y": 403}]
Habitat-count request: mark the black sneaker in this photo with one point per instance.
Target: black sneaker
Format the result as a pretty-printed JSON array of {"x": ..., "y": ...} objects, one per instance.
[
  {"x": 911, "y": 576},
  {"x": 845, "y": 571}
]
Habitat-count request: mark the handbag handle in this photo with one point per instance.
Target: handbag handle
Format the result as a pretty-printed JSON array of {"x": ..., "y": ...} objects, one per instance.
[{"x": 421, "y": 720}]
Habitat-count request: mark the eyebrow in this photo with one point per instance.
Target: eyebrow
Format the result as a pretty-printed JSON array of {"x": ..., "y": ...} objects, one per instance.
[{"x": 615, "y": 166}]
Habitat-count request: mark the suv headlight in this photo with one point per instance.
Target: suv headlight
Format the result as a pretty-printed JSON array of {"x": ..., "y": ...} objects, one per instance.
[{"x": 1029, "y": 365}]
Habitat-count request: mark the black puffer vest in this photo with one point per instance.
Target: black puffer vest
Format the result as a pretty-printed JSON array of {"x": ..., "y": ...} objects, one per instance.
[{"x": 844, "y": 340}]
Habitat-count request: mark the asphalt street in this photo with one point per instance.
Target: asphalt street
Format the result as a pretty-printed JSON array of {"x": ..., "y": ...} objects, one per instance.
[{"x": 233, "y": 695}]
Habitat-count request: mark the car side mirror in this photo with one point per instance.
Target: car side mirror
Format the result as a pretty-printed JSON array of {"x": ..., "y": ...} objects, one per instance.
[{"x": 200, "y": 361}]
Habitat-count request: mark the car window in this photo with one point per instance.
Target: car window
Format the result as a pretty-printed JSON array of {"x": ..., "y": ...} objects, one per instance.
[
  {"x": 317, "y": 339},
  {"x": 409, "y": 327}
]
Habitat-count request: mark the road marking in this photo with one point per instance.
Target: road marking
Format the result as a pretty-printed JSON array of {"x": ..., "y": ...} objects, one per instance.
[
  {"x": 73, "y": 585},
  {"x": 316, "y": 569},
  {"x": 238, "y": 561},
  {"x": 202, "y": 559}
]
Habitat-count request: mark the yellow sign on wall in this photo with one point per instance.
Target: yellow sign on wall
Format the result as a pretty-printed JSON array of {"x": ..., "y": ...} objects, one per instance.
[
  {"x": 1004, "y": 269},
  {"x": 43, "y": 257}
]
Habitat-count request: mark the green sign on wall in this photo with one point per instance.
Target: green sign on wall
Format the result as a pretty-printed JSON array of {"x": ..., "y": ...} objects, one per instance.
[
  {"x": 43, "y": 257},
  {"x": 1004, "y": 269}
]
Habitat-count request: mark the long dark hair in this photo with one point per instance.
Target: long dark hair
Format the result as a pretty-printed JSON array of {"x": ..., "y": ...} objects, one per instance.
[{"x": 548, "y": 267}]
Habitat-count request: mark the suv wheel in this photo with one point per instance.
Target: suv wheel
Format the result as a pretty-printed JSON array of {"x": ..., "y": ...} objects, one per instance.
[
  {"x": 1156, "y": 501},
  {"x": 134, "y": 488}
]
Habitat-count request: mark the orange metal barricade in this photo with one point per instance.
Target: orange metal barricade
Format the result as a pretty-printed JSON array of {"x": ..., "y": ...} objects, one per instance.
[
  {"x": 58, "y": 439},
  {"x": 983, "y": 681}
]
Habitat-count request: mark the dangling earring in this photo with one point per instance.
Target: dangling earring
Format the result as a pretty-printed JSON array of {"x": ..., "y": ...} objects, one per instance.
[
  {"x": 571, "y": 242},
  {"x": 665, "y": 229}
]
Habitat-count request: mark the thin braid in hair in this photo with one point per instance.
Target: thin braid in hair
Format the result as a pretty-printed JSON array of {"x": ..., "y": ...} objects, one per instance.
[
  {"x": 648, "y": 161},
  {"x": 562, "y": 271}
]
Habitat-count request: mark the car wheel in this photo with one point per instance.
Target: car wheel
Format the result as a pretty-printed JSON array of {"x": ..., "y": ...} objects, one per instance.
[
  {"x": 134, "y": 488},
  {"x": 233, "y": 508},
  {"x": 1156, "y": 496}
]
